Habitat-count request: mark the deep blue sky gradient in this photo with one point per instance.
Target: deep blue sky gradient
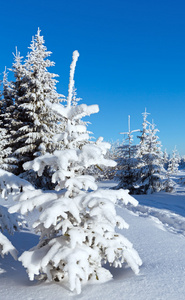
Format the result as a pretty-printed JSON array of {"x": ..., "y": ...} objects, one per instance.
[{"x": 132, "y": 56}]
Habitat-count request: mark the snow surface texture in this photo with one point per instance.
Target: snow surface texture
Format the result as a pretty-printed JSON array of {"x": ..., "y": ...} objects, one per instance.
[{"x": 160, "y": 245}]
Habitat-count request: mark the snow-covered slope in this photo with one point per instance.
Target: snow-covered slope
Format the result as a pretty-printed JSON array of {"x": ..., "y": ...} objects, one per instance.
[{"x": 157, "y": 230}]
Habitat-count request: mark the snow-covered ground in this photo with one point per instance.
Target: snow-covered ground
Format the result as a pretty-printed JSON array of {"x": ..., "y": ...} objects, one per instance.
[{"x": 157, "y": 230}]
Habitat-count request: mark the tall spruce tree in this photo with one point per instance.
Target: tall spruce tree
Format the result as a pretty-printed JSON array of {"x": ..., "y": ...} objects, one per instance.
[
  {"x": 143, "y": 136},
  {"x": 34, "y": 124},
  {"x": 173, "y": 165},
  {"x": 150, "y": 155}
]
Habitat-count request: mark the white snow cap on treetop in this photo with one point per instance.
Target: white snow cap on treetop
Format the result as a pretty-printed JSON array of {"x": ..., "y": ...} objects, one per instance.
[{"x": 71, "y": 77}]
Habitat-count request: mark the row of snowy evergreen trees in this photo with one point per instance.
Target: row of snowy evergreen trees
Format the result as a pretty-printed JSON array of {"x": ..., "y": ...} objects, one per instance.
[
  {"x": 29, "y": 128},
  {"x": 143, "y": 168},
  {"x": 77, "y": 221}
]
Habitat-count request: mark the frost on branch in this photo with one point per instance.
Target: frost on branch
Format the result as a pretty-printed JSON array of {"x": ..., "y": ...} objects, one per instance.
[{"x": 77, "y": 224}]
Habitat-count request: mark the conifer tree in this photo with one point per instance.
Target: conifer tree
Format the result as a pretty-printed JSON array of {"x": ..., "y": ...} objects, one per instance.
[
  {"x": 150, "y": 154},
  {"x": 77, "y": 224},
  {"x": 34, "y": 125},
  {"x": 144, "y": 133},
  {"x": 173, "y": 165},
  {"x": 128, "y": 171}
]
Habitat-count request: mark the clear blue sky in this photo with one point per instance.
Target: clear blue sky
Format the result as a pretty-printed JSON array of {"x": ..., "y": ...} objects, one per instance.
[{"x": 132, "y": 56}]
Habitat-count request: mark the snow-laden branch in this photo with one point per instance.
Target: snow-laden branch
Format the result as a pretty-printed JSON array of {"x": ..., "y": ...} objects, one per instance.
[
  {"x": 7, "y": 247},
  {"x": 88, "y": 223},
  {"x": 77, "y": 225},
  {"x": 11, "y": 184},
  {"x": 73, "y": 112}
]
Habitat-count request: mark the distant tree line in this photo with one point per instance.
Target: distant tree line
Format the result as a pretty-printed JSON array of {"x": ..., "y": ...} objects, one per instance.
[{"x": 142, "y": 168}]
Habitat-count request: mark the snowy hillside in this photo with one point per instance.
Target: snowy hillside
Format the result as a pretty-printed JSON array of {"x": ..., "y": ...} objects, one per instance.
[{"x": 157, "y": 231}]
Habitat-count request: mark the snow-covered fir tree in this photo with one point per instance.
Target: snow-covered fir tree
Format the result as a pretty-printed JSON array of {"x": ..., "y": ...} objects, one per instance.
[
  {"x": 77, "y": 224},
  {"x": 150, "y": 155},
  {"x": 144, "y": 133},
  {"x": 34, "y": 124},
  {"x": 173, "y": 165},
  {"x": 128, "y": 171}
]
